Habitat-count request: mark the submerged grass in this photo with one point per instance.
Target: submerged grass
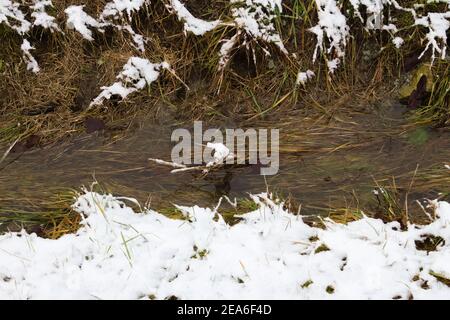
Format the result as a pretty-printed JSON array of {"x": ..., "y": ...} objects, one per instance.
[{"x": 52, "y": 217}]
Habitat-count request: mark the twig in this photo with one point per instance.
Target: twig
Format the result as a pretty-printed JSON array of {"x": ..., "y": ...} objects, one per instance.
[
  {"x": 8, "y": 150},
  {"x": 168, "y": 163}
]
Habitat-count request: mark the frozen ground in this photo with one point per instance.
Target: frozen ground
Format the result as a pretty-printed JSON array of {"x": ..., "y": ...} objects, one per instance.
[{"x": 270, "y": 254}]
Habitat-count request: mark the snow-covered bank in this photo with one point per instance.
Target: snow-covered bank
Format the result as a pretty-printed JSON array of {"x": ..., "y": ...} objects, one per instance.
[{"x": 270, "y": 254}]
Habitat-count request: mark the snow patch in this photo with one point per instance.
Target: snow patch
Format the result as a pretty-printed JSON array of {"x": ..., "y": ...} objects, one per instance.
[
  {"x": 270, "y": 254},
  {"x": 12, "y": 16},
  {"x": 116, "y": 8},
  {"x": 41, "y": 17},
  {"x": 82, "y": 22},
  {"x": 332, "y": 24},
  {"x": 398, "y": 42},
  {"x": 191, "y": 23},
  {"x": 303, "y": 77},
  {"x": 437, "y": 25},
  {"x": 135, "y": 75},
  {"x": 29, "y": 59},
  {"x": 226, "y": 48},
  {"x": 221, "y": 153},
  {"x": 254, "y": 20},
  {"x": 257, "y": 17}
]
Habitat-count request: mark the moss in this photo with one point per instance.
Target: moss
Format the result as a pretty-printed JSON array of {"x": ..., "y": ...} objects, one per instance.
[
  {"x": 437, "y": 110},
  {"x": 423, "y": 70},
  {"x": 11, "y": 133},
  {"x": 418, "y": 136}
]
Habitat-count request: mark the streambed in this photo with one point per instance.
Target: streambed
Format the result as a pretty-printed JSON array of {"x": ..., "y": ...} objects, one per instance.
[{"x": 324, "y": 165}]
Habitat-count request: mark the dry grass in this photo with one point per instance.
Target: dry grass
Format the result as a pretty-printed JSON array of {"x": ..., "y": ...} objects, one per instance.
[{"x": 54, "y": 103}]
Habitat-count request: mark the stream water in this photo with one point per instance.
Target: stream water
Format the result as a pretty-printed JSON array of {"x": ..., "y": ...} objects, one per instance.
[{"x": 323, "y": 164}]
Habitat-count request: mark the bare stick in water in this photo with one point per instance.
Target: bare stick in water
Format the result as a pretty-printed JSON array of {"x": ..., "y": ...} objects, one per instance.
[{"x": 8, "y": 150}]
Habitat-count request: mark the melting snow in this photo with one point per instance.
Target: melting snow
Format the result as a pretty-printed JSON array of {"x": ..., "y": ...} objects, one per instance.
[
  {"x": 254, "y": 20},
  {"x": 256, "y": 17}
]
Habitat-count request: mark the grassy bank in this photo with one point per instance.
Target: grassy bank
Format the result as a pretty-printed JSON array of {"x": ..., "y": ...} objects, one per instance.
[{"x": 258, "y": 80}]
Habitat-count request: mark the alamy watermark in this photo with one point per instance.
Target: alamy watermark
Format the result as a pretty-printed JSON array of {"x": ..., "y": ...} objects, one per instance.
[{"x": 228, "y": 146}]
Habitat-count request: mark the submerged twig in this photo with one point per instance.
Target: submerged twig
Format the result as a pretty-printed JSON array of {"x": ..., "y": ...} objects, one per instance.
[
  {"x": 8, "y": 150},
  {"x": 221, "y": 154},
  {"x": 167, "y": 163}
]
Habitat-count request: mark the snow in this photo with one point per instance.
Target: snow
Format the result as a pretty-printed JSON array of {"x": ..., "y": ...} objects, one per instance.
[
  {"x": 10, "y": 12},
  {"x": 135, "y": 75},
  {"x": 437, "y": 25},
  {"x": 253, "y": 20},
  {"x": 332, "y": 24},
  {"x": 221, "y": 153},
  {"x": 270, "y": 254},
  {"x": 225, "y": 50},
  {"x": 139, "y": 40},
  {"x": 80, "y": 21},
  {"x": 191, "y": 23},
  {"x": 333, "y": 65},
  {"x": 256, "y": 18},
  {"x": 42, "y": 18},
  {"x": 398, "y": 42},
  {"x": 83, "y": 23},
  {"x": 29, "y": 59},
  {"x": 303, "y": 77},
  {"x": 116, "y": 8},
  {"x": 374, "y": 10}
]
